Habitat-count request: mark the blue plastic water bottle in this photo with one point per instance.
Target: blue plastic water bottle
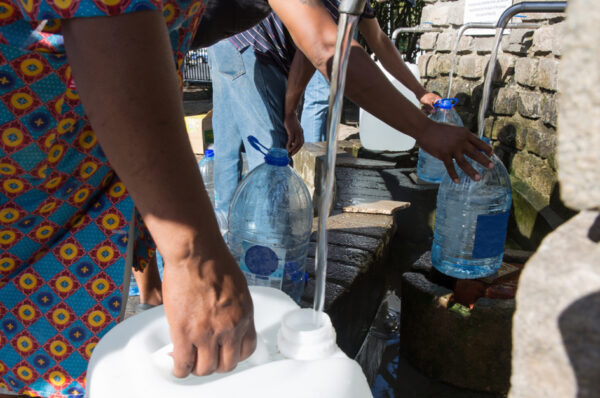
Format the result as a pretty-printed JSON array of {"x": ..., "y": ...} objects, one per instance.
[
  {"x": 471, "y": 222},
  {"x": 270, "y": 221},
  {"x": 207, "y": 169},
  {"x": 429, "y": 168}
]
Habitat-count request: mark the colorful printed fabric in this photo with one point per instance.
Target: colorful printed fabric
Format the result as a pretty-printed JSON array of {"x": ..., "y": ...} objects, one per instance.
[{"x": 64, "y": 214}]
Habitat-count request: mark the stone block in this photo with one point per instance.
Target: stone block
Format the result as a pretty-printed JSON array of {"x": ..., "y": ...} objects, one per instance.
[
  {"x": 466, "y": 44},
  {"x": 471, "y": 66},
  {"x": 483, "y": 44},
  {"x": 541, "y": 142},
  {"x": 543, "y": 39},
  {"x": 505, "y": 67},
  {"x": 427, "y": 66},
  {"x": 534, "y": 171},
  {"x": 547, "y": 75},
  {"x": 428, "y": 41},
  {"x": 444, "y": 13},
  {"x": 556, "y": 327},
  {"x": 519, "y": 41},
  {"x": 579, "y": 108},
  {"x": 557, "y": 40},
  {"x": 444, "y": 63},
  {"x": 549, "y": 111},
  {"x": 525, "y": 71},
  {"x": 530, "y": 104},
  {"x": 505, "y": 102},
  {"x": 445, "y": 41},
  {"x": 439, "y": 85}
]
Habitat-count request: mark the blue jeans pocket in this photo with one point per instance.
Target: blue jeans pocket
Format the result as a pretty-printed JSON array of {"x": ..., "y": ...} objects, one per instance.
[{"x": 226, "y": 59}]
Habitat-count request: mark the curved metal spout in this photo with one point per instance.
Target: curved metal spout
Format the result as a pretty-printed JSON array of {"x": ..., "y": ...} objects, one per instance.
[
  {"x": 524, "y": 7},
  {"x": 480, "y": 25}
]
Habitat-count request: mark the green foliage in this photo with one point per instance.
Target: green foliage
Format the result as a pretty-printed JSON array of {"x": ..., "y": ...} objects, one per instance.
[{"x": 393, "y": 14}]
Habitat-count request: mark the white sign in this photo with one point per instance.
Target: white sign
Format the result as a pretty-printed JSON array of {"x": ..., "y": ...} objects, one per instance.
[{"x": 484, "y": 11}]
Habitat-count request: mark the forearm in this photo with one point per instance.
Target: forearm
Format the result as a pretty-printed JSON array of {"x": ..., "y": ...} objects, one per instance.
[
  {"x": 128, "y": 85},
  {"x": 392, "y": 61},
  {"x": 314, "y": 32},
  {"x": 301, "y": 71}
]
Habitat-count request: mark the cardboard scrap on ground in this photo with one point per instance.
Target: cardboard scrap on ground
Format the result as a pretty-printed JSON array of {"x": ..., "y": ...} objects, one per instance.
[
  {"x": 200, "y": 133},
  {"x": 387, "y": 207}
]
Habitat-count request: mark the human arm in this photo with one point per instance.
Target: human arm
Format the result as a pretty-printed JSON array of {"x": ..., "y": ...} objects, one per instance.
[
  {"x": 314, "y": 32},
  {"x": 128, "y": 86},
  {"x": 392, "y": 61},
  {"x": 301, "y": 71}
]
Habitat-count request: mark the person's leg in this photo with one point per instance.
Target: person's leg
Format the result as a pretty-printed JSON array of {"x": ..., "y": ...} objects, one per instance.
[
  {"x": 264, "y": 98},
  {"x": 315, "y": 109},
  {"x": 226, "y": 69},
  {"x": 149, "y": 283}
]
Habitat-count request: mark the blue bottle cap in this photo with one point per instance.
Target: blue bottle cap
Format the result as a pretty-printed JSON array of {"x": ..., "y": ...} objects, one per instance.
[
  {"x": 209, "y": 153},
  {"x": 277, "y": 157},
  {"x": 446, "y": 103}
]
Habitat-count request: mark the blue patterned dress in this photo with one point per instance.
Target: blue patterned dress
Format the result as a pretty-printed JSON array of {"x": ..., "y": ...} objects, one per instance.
[{"x": 65, "y": 216}]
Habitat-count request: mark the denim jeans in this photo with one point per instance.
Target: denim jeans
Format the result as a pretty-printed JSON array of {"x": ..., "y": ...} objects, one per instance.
[
  {"x": 315, "y": 109},
  {"x": 248, "y": 99}
]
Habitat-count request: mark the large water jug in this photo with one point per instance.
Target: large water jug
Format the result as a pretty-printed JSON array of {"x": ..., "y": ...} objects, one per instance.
[
  {"x": 207, "y": 169},
  {"x": 376, "y": 135},
  {"x": 430, "y": 168},
  {"x": 270, "y": 221},
  {"x": 295, "y": 358},
  {"x": 471, "y": 222}
]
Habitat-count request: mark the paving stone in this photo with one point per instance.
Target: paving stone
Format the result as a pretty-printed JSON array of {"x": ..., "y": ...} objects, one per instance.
[
  {"x": 366, "y": 243},
  {"x": 373, "y": 225},
  {"x": 378, "y": 207}
]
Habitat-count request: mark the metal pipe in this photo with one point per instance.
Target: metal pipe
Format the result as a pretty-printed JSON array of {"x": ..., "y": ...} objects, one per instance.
[
  {"x": 480, "y": 25},
  {"x": 352, "y": 7},
  {"x": 524, "y": 7},
  {"x": 414, "y": 29}
]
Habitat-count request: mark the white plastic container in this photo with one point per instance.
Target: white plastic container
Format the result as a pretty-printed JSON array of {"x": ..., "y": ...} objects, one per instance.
[
  {"x": 376, "y": 135},
  {"x": 132, "y": 359}
]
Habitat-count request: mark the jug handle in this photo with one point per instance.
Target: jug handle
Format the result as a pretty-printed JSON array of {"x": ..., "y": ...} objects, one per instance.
[{"x": 257, "y": 145}]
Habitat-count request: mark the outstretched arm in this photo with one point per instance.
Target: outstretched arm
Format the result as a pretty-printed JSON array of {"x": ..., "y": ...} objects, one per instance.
[
  {"x": 301, "y": 71},
  {"x": 124, "y": 71},
  {"x": 314, "y": 32},
  {"x": 392, "y": 61}
]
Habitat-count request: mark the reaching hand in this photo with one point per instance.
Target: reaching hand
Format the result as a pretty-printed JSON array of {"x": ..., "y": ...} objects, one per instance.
[
  {"x": 295, "y": 134},
  {"x": 210, "y": 315},
  {"x": 427, "y": 101},
  {"x": 447, "y": 142}
]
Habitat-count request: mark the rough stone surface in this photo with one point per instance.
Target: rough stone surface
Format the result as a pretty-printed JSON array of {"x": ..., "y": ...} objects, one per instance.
[
  {"x": 556, "y": 331},
  {"x": 542, "y": 142},
  {"x": 378, "y": 207},
  {"x": 483, "y": 44},
  {"x": 579, "y": 108},
  {"x": 444, "y": 13},
  {"x": 547, "y": 76},
  {"x": 505, "y": 102},
  {"x": 549, "y": 111},
  {"x": 471, "y": 66},
  {"x": 534, "y": 171},
  {"x": 519, "y": 41},
  {"x": 428, "y": 41},
  {"x": 444, "y": 63},
  {"x": 543, "y": 39},
  {"x": 446, "y": 341},
  {"x": 557, "y": 39},
  {"x": 445, "y": 41},
  {"x": 426, "y": 66},
  {"x": 530, "y": 105},
  {"x": 526, "y": 71},
  {"x": 305, "y": 163},
  {"x": 505, "y": 67}
]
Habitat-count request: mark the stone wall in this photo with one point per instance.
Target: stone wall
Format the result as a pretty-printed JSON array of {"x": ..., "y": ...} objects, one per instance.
[{"x": 521, "y": 118}]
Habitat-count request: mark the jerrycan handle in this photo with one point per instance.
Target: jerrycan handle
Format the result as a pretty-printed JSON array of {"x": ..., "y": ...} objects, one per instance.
[{"x": 257, "y": 145}]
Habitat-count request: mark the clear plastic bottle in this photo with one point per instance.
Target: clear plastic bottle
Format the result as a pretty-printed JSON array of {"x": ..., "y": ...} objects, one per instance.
[
  {"x": 270, "y": 222},
  {"x": 430, "y": 168},
  {"x": 207, "y": 169},
  {"x": 471, "y": 222}
]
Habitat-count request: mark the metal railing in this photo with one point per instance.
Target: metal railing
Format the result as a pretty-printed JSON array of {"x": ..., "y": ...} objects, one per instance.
[{"x": 195, "y": 67}]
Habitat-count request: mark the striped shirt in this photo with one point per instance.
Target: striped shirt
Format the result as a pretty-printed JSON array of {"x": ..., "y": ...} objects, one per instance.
[{"x": 272, "y": 42}]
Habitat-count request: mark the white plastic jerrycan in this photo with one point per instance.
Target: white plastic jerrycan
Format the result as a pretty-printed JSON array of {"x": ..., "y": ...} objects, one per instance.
[
  {"x": 294, "y": 358},
  {"x": 376, "y": 135}
]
